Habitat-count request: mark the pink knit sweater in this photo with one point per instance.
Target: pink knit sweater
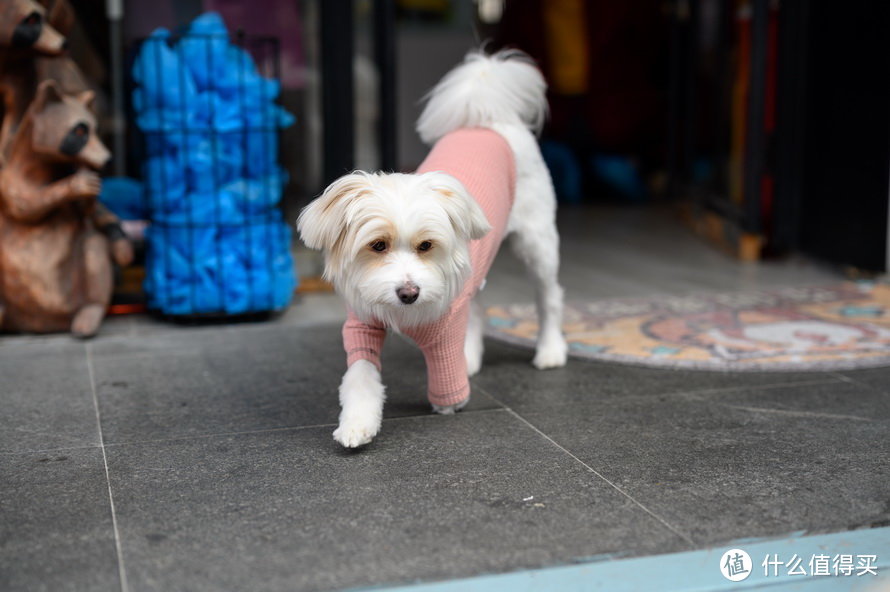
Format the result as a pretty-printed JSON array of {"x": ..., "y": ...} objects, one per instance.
[{"x": 482, "y": 160}]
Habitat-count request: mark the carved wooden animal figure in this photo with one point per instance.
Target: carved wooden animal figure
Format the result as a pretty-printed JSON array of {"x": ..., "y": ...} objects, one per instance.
[
  {"x": 61, "y": 68},
  {"x": 60, "y": 15},
  {"x": 26, "y": 37},
  {"x": 55, "y": 269},
  {"x": 23, "y": 65},
  {"x": 23, "y": 26}
]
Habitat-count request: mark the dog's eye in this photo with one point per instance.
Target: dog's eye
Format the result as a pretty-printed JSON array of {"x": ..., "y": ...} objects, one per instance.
[
  {"x": 425, "y": 246},
  {"x": 379, "y": 246}
]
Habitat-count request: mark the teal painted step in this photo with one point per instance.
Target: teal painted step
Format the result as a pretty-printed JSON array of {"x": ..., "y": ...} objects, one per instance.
[{"x": 698, "y": 571}]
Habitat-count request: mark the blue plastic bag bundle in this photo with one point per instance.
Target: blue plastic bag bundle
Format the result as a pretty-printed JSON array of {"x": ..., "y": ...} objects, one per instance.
[
  {"x": 217, "y": 243},
  {"x": 234, "y": 269}
]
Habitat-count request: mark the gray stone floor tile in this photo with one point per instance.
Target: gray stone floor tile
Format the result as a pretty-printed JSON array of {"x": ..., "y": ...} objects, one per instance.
[
  {"x": 238, "y": 379},
  {"x": 432, "y": 497},
  {"x": 746, "y": 463},
  {"x": 46, "y": 395},
  {"x": 56, "y": 530},
  {"x": 508, "y": 375}
]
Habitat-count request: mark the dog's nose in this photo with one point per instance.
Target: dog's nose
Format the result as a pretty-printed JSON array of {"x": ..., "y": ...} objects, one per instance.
[{"x": 408, "y": 294}]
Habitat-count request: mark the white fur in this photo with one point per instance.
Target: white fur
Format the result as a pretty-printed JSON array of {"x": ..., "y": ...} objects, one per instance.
[
  {"x": 484, "y": 91},
  {"x": 473, "y": 343},
  {"x": 361, "y": 399},
  {"x": 506, "y": 93},
  {"x": 534, "y": 239}
]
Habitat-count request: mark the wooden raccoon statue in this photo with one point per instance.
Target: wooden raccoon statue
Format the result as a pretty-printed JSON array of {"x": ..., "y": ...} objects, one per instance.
[
  {"x": 55, "y": 269},
  {"x": 25, "y": 36}
]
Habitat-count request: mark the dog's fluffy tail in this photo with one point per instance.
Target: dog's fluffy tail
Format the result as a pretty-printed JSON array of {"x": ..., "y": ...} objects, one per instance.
[{"x": 485, "y": 90}]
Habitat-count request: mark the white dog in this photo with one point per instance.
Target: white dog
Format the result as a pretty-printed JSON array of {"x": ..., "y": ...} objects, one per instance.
[{"x": 409, "y": 252}]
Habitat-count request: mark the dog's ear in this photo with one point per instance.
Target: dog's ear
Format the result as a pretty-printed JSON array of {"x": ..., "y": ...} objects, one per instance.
[
  {"x": 323, "y": 221},
  {"x": 465, "y": 215}
]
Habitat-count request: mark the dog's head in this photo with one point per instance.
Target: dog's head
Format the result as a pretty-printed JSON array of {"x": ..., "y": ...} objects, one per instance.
[{"x": 396, "y": 245}]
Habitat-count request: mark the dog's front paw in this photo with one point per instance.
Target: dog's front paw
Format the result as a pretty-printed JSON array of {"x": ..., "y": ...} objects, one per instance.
[
  {"x": 551, "y": 354},
  {"x": 450, "y": 409},
  {"x": 361, "y": 397},
  {"x": 356, "y": 432}
]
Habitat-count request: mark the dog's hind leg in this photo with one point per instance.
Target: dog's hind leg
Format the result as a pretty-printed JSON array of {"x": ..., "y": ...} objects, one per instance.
[
  {"x": 473, "y": 346},
  {"x": 534, "y": 239},
  {"x": 535, "y": 242}
]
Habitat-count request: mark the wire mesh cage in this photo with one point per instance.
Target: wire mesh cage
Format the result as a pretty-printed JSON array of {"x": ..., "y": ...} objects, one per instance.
[{"x": 205, "y": 105}]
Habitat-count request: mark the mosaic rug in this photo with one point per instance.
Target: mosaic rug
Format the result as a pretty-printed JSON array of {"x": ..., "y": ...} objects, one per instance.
[{"x": 817, "y": 328}]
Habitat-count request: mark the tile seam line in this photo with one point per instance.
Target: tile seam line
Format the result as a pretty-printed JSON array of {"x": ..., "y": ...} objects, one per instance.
[
  {"x": 122, "y": 572},
  {"x": 797, "y": 414},
  {"x": 216, "y": 435},
  {"x": 48, "y": 450},
  {"x": 701, "y": 394},
  {"x": 248, "y": 432},
  {"x": 849, "y": 380},
  {"x": 658, "y": 518},
  {"x": 758, "y": 387},
  {"x": 831, "y": 378}
]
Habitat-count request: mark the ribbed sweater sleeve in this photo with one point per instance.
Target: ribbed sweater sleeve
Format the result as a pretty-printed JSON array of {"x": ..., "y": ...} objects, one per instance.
[{"x": 361, "y": 340}]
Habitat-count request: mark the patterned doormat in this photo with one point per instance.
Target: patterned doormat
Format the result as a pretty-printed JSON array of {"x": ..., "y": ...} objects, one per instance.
[{"x": 821, "y": 328}]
